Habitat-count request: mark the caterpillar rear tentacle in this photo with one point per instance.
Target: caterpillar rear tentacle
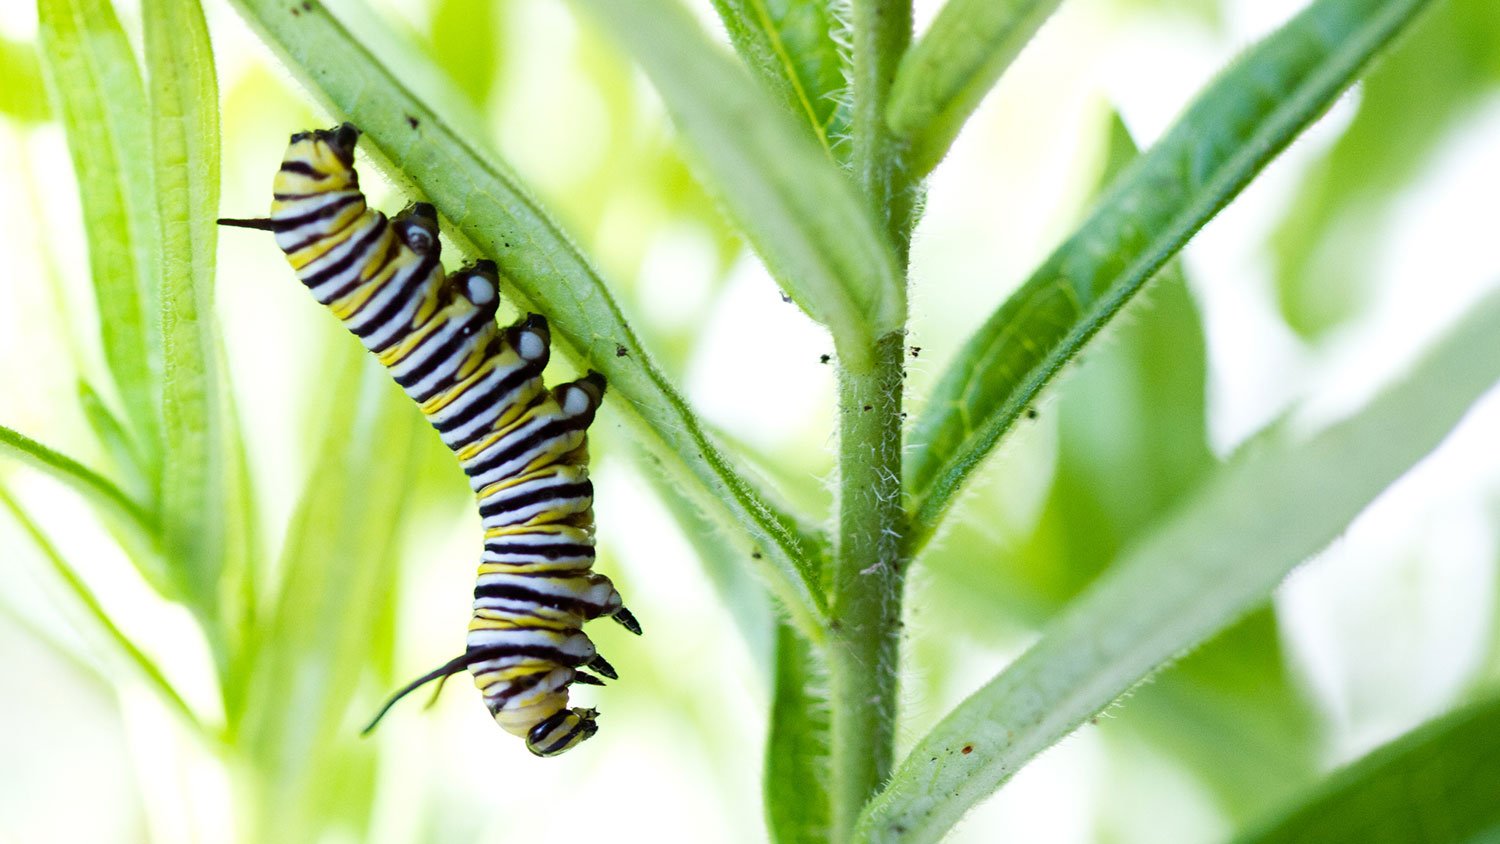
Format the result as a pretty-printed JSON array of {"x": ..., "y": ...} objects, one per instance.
[{"x": 524, "y": 447}]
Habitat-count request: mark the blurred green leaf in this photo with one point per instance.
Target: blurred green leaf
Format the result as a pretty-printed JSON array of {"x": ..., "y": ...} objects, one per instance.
[
  {"x": 116, "y": 441},
  {"x": 1439, "y": 783},
  {"x": 790, "y": 45},
  {"x": 22, "y": 97},
  {"x": 1279, "y": 501},
  {"x": 1132, "y": 443},
  {"x": 331, "y": 624},
  {"x": 796, "y": 207},
  {"x": 98, "y": 489},
  {"x": 948, "y": 71},
  {"x": 99, "y": 618},
  {"x": 1231, "y": 131},
  {"x": 184, "y": 96},
  {"x": 95, "y": 86},
  {"x": 1407, "y": 105},
  {"x": 798, "y": 809},
  {"x": 464, "y": 35},
  {"x": 491, "y": 211},
  {"x": 1232, "y": 712}
]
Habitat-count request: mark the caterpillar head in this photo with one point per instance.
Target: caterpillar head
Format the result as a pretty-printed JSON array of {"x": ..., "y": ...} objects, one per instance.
[{"x": 562, "y": 732}]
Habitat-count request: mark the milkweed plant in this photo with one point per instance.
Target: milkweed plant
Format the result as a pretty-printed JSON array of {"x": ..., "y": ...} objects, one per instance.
[{"x": 905, "y": 491}]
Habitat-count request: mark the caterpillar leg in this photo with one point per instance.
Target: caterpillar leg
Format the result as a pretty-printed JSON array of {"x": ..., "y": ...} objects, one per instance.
[{"x": 626, "y": 619}]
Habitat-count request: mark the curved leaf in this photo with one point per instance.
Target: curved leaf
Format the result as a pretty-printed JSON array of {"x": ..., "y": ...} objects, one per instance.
[
  {"x": 958, "y": 59},
  {"x": 93, "y": 486},
  {"x": 1231, "y": 131},
  {"x": 790, "y": 44},
  {"x": 490, "y": 209},
  {"x": 1441, "y": 782},
  {"x": 1278, "y": 502},
  {"x": 95, "y": 86},
  {"x": 185, "y": 142},
  {"x": 798, "y": 209}
]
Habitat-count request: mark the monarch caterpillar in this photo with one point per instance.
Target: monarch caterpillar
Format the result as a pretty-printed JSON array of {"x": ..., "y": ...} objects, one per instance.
[{"x": 523, "y": 447}]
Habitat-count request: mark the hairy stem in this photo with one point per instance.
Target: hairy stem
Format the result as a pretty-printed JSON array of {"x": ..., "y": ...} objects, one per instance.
[
  {"x": 865, "y": 612},
  {"x": 865, "y": 623}
]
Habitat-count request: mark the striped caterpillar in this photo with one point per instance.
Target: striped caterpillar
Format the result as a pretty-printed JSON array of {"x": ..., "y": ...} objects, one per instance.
[{"x": 523, "y": 447}]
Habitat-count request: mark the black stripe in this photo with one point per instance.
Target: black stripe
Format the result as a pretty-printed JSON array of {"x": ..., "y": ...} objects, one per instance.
[
  {"x": 525, "y": 684},
  {"x": 516, "y": 592},
  {"x": 432, "y": 357},
  {"x": 551, "y": 551},
  {"x": 510, "y": 451},
  {"x": 362, "y": 244},
  {"x": 303, "y": 168},
  {"x": 323, "y": 212},
  {"x": 487, "y": 400},
  {"x": 582, "y": 489},
  {"x": 541, "y": 652},
  {"x": 365, "y": 326}
]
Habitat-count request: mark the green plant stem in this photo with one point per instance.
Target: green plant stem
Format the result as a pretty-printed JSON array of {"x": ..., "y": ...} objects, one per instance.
[
  {"x": 882, "y": 33},
  {"x": 865, "y": 612}
]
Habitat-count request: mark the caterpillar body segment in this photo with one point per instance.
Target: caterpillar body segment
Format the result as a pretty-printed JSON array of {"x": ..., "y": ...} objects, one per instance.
[{"x": 523, "y": 446}]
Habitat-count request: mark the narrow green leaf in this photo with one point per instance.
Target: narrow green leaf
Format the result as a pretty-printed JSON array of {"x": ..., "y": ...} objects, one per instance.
[
  {"x": 95, "y": 487},
  {"x": 798, "y": 807},
  {"x": 1132, "y": 442},
  {"x": 1276, "y": 503},
  {"x": 1430, "y": 83},
  {"x": 95, "y": 86},
  {"x": 332, "y": 622},
  {"x": 790, "y": 44},
  {"x": 185, "y": 144},
  {"x": 116, "y": 441},
  {"x": 796, "y": 207},
  {"x": 490, "y": 210},
  {"x": 99, "y": 617},
  {"x": 1251, "y": 112},
  {"x": 1438, "y": 783},
  {"x": 22, "y": 97},
  {"x": 949, "y": 70}
]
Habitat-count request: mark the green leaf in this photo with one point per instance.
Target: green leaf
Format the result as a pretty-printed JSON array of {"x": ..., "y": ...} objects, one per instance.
[
  {"x": 1231, "y": 131},
  {"x": 796, "y": 207},
  {"x": 1439, "y": 783},
  {"x": 1276, "y": 503},
  {"x": 98, "y": 489},
  {"x": 185, "y": 142},
  {"x": 490, "y": 210},
  {"x": 1132, "y": 442},
  {"x": 116, "y": 441},
  {"x": 1408, "y": 105},
  {"x": 95, "y": 86},
  {"x": 790, "y": 45},
  {"x": 798, "y": 808},
  {"x": 948, "y": 71},
  {"x": 99, "y": 618},
  {"x": 22, "y": 97},
  {"x": 463, "y": 35},
  {"x": 333, "y": 622}
]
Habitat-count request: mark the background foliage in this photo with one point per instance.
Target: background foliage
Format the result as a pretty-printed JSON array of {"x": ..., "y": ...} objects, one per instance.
[{"x": 226, "y": 535}]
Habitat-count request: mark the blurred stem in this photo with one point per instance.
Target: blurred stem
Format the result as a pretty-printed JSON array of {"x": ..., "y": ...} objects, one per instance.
[
  {"x": 88, "y": 482},
  {"x": 75, "y": 583},
  {"x": 865, "y": 615}
]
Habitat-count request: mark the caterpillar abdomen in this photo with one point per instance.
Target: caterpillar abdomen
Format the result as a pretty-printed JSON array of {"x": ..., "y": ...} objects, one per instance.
[{"x": 522, "y": 446}]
